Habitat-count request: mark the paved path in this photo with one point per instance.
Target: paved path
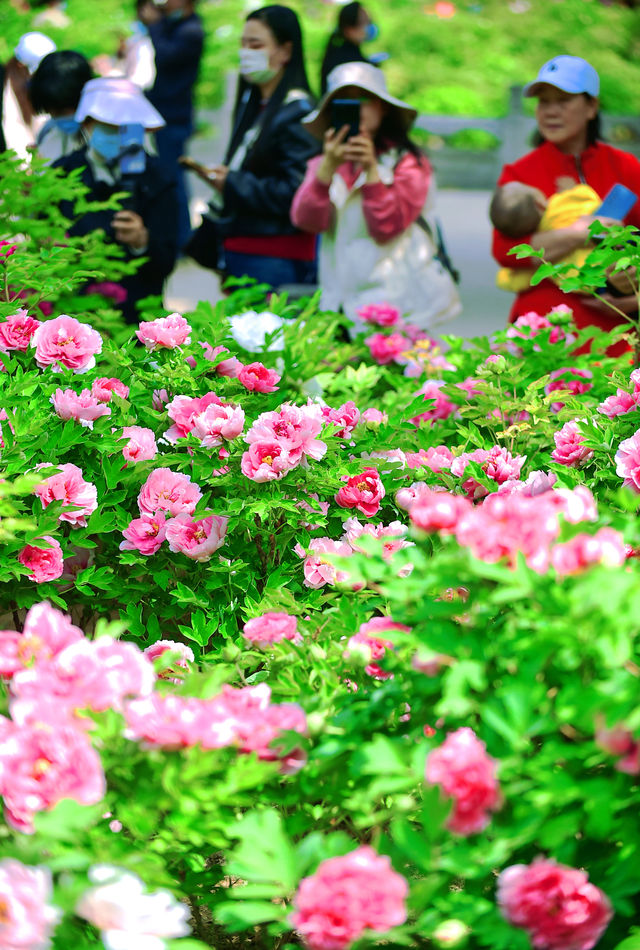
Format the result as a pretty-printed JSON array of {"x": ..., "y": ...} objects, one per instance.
[{"x": 466, "y": 225}]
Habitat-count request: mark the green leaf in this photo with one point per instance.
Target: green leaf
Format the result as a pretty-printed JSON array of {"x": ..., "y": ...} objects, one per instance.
[
  {"x": 265, "y": 854},
  {"x": 240, "y": 915}
]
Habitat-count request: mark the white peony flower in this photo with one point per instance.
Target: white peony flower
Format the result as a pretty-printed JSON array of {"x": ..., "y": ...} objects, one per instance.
[{"x": 251, "y": 329}]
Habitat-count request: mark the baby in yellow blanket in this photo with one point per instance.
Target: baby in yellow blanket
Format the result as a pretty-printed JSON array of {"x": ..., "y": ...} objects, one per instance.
[{"x": 518, "y": 210}]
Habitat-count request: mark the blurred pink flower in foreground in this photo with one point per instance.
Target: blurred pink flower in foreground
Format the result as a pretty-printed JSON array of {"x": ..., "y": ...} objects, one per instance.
[
  {"x": 605, "y": 547},
  {"x": 28, "y": 917},
  {"x": 466, "y": 774},
  {"x": 555, "y": 904},
  {"x": 269, "y": 628},
  {"x": 346, "y": 897},
  {"x": 379, "y": 314}
]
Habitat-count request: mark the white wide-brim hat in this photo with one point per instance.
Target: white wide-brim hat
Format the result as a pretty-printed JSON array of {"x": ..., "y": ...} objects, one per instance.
[
  {"x": 31, "y": 48},
  {"x": 117, "y": 101},
  {"x": 364, "y": 76},
  {"x": 569, "y": 73}
]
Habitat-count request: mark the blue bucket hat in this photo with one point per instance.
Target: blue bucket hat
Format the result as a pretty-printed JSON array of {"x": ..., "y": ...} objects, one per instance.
[{"x": 569, "y": 73}]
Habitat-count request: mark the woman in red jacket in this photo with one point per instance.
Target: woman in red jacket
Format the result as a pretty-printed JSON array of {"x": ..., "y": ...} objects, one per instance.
[{"x": 570, "y": 151}]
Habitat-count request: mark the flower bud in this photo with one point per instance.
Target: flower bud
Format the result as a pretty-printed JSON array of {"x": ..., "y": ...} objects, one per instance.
[
  {"x": 451, "y": 933},
  {"x": 230, "y": 652}
]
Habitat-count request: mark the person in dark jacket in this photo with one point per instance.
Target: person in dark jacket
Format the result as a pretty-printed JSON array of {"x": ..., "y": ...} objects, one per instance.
[
  {"x": 177, "y": 36},
  {"x": 147, "y": 226},
  {"x": 55, "y": 90},
  {"x": 266, "y": 158},
  {"x": 354, "y": 27}
]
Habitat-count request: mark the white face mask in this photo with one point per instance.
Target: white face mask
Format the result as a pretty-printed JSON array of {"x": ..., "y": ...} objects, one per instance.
[{"x": 254, "y": 66}]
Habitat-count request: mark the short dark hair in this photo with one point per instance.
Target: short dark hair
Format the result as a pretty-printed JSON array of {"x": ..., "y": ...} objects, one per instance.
[
  {"x": 349, "y": 16},
  {"x": 58, "y": 81}
]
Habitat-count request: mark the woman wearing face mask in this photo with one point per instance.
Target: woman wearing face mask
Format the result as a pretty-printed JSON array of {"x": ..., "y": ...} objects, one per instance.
[
  {"x": 114, "y": 160},
  {"x": 354, "y": 27},
  {"x": 569, "y": 152},
  {"x": 55, "y": 88},
  {"x": 372, "y": 198},
  {"x": 247, "y": 230}
]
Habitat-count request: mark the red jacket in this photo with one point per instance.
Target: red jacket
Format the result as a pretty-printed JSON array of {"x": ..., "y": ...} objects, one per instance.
[{"x": 601, "y": 166}]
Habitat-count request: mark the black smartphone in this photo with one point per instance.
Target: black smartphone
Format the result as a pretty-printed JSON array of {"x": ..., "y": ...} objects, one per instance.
[{"x": 346, "y": 112}]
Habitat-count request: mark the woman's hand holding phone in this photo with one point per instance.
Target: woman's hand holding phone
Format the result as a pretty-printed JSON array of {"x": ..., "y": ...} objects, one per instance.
[
  {"x": 333, "y": 154},
  {"x": 361, "y": 151}
]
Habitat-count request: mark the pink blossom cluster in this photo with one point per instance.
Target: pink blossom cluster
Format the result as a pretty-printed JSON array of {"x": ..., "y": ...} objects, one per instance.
[
  {"x": 568, "y": 379},
  {"x": 497, "y": 463},
  {"x": 363, "y": 492},
  {"x": 347, "y": 416},
  {"x": 627, "y": 461},
  {"x": 466, "y": 774},
  {"x": 258, "y": 378},
  {"x": 555, "y": 904},
  {"x": 17, "y": 330},
  {"x": 622, "y": 401},
  {"x": 269, "y": 628},
  {"x": 570, "y": 449},
  {"x": 165, "y": 332},
  {"x": 140, "y": 445},
  {"x": 64, "y": 341},
  {"x": 320, "y": 570},
  {"x": 379, "y": 314},
  {"x": 392, "y": 536},
  {"x": 79, "y": 497},
  {"x": 605, "y": 547},
  {"x": 104, "y": 387},
  {"x": 370, "y": 642},
  {"x": 6, "y": 250},
  {"x": 82, "y": 407},
  {"x": 176, "y": 655},
  {"x": 529, "y": 325},
  {"x": 281, "y": 440},
  {"x": 166, "y": 492},
  {"x": 619, "y": 742},
  {"x": 44, "y": 563},
  {"x": 388, "y": 348},
  {"x": 442, "y": 407},
  {"x": 245, "y": 718},
  {"x": 28, "y": 916},
  {"x": 183, "y": 410},
  {"x": 346, "y": 897}
]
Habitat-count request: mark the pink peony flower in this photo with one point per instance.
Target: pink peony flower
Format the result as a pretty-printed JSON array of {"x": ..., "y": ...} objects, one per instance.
[
  {"x": 80, "y": 498},
  {"x": 263, "y": 631},
  {"x": 159, "y": 398},
  {"x": 141, "y": 444},
  {"x": 374, "y": 418},
  {"x": 466, "y": 774},
  {"x": 65, "y": 341},
  {"x": 266, "y": 461},
  {"x": 197, "y": 539},
  {"x": 619, "y": 404},
  {"x": 218, "y": 422},
  {"x": 387, "y": 349},
  {"x": 530, "y": 324},
  {"x": 46, "y": 633},
  {"x": 442, "y": 408},
  {"x": 620, "y": 742},
  {"x": 28, "y": 917},
  {"x": 392, "y": 536},
  {"x": 364, "y": 492},
  {"x": 166, "y": 490},
  {"x": 373, "y": 648},
  {"x": 88, "y": 674},
  {"x": 165, "y": 332},
  {"x": 569, "y": 379},
  {"x": 570, "y": 450},
  {"x": 438, "y": 511},
  {"x": 127, "y": 916},
  {"x": 555, "y": 904},
  {"x": 228, "y": 367},
  {"x": 346, "y": 416},
  {"x": 497, "y": 463},
  {"x": 182, "y": 410},
  {"x": 7, "y": 249},
  {"x": 605, "y": 547},
  {"x": 103, "y": 388},
  {"x": 315, "y": 506},
  {"x": 577, "y": 504},
  {"x": 145, "y": 534},
  {"x": 45, "y": 564},
  {"x": 295, "y": 428},
  {"x": 438, "y": 458},
  {"x": 83, "y": 407},
  {"x": 41, "y": 766},
  {"x": 257, "y": 378},
  {"x": 16, "y": 331},
  {"x": 178, "y": 657},
  {"x": 346, "y": 897},
  {"x": 318, "y": 571},
  {"x": 627, "y": 461},
  {"x": 379, "y": 314}
]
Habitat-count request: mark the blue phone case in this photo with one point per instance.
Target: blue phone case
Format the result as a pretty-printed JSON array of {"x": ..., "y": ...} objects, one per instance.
[{"x": 617, "y": 203}]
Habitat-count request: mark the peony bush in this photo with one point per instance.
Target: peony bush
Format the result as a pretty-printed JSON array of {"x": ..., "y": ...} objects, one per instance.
[{"x": 310, "y": 643}]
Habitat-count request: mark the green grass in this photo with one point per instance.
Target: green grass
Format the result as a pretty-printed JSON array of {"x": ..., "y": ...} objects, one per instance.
[{"x": 459, "y": 66}]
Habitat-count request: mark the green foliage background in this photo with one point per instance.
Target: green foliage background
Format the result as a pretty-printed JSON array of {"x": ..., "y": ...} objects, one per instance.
[{"x": 462, "y": 65}]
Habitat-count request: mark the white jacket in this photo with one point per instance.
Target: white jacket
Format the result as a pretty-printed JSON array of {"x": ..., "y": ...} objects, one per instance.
[{"x": 355, "y": 271}]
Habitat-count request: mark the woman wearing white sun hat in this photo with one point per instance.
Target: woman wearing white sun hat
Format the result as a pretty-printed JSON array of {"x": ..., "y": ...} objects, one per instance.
[
  {"x": 115, "y": 116},
  {"x": 570, "y": 152},
  {"x": 19, "y": 125},
  {"x": 371, "y": 196}
]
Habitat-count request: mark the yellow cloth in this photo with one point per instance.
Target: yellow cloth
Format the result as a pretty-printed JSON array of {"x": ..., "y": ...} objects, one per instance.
[{"x": 562, "y": 210}]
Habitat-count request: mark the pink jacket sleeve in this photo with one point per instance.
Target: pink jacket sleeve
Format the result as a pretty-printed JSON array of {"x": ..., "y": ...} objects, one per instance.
[
  {"x": 312, "y": 209},
  {"x": 390, "y": 209}
]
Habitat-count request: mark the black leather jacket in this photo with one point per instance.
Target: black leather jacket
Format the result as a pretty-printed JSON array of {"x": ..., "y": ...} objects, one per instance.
[{"x": 258, "y": 197}]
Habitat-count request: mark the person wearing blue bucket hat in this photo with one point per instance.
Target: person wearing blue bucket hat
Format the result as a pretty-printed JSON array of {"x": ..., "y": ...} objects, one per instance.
[{"x": 569, "y": 151}]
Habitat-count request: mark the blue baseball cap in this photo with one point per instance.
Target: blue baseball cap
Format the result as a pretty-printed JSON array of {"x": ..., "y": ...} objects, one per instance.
[{"x": 569, "y": 73}]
